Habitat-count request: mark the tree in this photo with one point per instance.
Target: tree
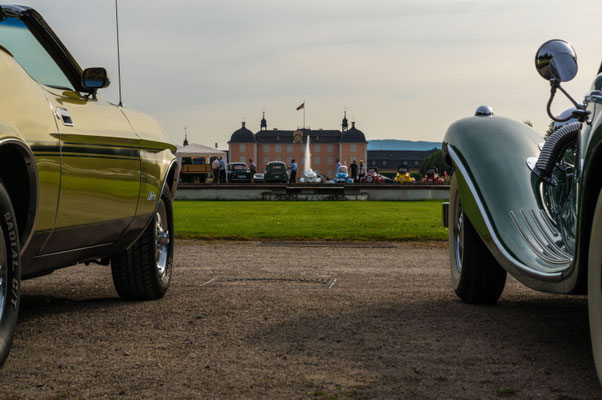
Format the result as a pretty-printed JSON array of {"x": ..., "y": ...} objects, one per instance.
[
  {"x": 550, "y": 128},
  {"x": 528, "y": 123},
  {"x": 435, "y": 160}
]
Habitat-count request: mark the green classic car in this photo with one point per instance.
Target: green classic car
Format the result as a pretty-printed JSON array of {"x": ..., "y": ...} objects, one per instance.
[
  {"x": 528, "y": 205},
  {"x": 81, "y": 179},
  {"x": 275, "y": 171}
]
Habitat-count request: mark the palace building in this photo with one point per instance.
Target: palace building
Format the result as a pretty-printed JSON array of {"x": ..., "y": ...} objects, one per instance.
[{"x": 326, "y": 146}]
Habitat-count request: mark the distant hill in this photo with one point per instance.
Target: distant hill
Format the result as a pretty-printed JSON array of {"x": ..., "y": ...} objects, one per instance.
[{"x": 392, "y": 144}]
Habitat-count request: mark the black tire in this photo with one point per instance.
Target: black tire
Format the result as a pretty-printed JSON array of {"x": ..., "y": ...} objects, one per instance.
[
  {"x": 143, "y": 272},
  {"x": 476, "y": 275},
  {"x": 10, "y": 274},
  {"x": 594, "y": 286}
]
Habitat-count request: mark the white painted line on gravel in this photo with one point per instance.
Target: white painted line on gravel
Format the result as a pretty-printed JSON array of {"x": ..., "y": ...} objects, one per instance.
[{"x": 209, "y": 282}]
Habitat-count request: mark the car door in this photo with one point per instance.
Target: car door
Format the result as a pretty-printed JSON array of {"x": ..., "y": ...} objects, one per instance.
[{"x": 100, "y": 175}]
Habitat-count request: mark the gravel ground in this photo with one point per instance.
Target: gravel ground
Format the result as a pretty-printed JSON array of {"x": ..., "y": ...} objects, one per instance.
[{"x": 246, "y": 320}]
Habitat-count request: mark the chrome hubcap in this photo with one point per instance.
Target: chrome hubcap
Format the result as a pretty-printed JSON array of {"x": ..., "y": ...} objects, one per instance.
[
  {"x": 161, "y": 239},
  {"x": 459, "y": 237}
]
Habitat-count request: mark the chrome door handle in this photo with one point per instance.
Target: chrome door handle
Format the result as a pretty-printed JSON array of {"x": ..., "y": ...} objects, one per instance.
[{"x": 63, "y": 115}]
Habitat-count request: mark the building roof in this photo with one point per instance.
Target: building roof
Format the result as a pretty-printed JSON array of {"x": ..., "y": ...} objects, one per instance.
[
  {"x": 353, "y": 135},
  {"x": 392, "y": 159},
  {"x": 281, "y": 136},
  {"x": 399, "y": 154},
  {"x": 243, "y": 135}
]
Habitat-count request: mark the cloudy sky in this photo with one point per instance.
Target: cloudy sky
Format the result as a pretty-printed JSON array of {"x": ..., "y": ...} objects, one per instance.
[{"x": 404, "y": 69}]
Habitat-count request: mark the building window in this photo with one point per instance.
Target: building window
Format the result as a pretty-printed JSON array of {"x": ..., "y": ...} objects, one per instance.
[
  {"x": 373, "y": 162},
  {"x": 289, "y": 160},
  {"x": 353, "y": 158},
  {"x": 289, "y": 148},
  {"x": 266, "y": 148},
  {"x": 330, "y": 160},
  {"x": 242, "y": 159},
  {"x": 316, "y": 148},
  {"x": 384, "y": 162},
  {"x": 242, "y": 147},
  {"x": 277, "y": 148},
  {"x": 330, "y": 173},
  {"x": 416, "y": 163},
  {"x": 266, "y": 160},
  {"x": 316, "y": 160},
  {"x": 330, "y": 148},
  {"x": 353, "y": 148},
  {"x": 405, "y": 163},
  {"x": 302, "y": 148},
  {"x": 278, "y": 159}
]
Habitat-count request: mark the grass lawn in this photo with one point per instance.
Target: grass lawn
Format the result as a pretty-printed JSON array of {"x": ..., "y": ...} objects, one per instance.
[{"x": 309, "y": 220}]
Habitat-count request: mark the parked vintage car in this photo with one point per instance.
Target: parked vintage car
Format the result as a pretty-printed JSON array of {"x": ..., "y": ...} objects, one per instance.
[
  {"x": 531, "y": 208},
  {"x": 403, "y": 176},
  {"x": 431, "y": 177},
  {"x": 82, "y": 180},
  {"x": 258, "y": 177},
  {"x": 372, "y": 176},
  {"x": 342, "y": 176},
  {"x": 310, "y": 176},
  {"x": 194, "y": 169},
  {"x": 239, "y": 172},
  {"x": 275, "y": 171}
]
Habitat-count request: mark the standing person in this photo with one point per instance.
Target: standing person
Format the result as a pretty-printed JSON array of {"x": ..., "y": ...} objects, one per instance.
[
  {"x": 215, "y": 168},
  {"x": 222, "y": 170},
  {"x": 362, "y": 169},
  {"x": 293, "y": 172},
  {"x": 354, "y": 171},
  {"x": 338, "y": 165},
  {"x": 253, "y": 169}
]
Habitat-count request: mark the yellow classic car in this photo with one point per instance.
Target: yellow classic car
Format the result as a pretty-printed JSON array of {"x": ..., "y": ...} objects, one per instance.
[
  {"x": 403, "y": 176},
  {"x": 81, "y": 179}
]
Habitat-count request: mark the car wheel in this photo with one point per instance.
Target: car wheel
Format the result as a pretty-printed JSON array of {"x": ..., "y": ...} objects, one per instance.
[
  {"x": 477, "y": 277},
  {"x": 143, "y": 272},
  {"x": 594, "y": 286},
  {"x": 10, "y": 274}
]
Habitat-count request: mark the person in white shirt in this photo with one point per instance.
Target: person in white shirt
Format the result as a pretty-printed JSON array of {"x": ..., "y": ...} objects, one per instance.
[
  {"x": 215, "y": 168},
  {"x": 223, "y": 176}
]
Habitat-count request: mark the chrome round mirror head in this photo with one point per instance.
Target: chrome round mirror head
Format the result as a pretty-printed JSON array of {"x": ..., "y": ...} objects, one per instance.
[
  {"x": 556, "y": 60},
  {"x": 484, "y": 111}
]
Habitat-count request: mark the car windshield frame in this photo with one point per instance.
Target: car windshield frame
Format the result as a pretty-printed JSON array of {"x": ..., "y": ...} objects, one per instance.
[{"x": 46, "y": 37}]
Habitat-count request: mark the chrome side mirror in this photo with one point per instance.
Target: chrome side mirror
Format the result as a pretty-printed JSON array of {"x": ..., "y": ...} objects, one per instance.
[{"x": 556, "y": 60}]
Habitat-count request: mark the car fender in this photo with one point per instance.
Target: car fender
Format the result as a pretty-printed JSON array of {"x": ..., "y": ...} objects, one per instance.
[
  {"x": 158, "y": 160},
  {"x": 498, "y": 189},
  {"x": 9, "y": 137}
]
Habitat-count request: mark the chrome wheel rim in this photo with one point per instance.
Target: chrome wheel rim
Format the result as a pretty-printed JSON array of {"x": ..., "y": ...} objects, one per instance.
[
  {"x": 3, "y": 274},
  {"x": 459, "y": 236},
  {"x": 161, "y": 239}
]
